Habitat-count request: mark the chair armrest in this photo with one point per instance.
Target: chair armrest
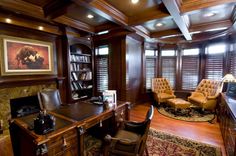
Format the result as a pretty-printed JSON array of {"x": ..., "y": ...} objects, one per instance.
[
  {"x": 198, "y": 94},
  {"x": 108, "y": 138},
  {"x": 168, "y": 92},
  {"x": 212, "y": 97}
]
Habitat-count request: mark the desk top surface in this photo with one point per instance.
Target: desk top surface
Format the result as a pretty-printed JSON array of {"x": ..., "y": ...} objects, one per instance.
[
  {"x": 67, "y": 117},
  {"x": 83, "y": 110}
]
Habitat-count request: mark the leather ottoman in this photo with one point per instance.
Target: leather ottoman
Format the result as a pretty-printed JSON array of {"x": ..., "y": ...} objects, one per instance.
[{"x": 178, "y": 103}]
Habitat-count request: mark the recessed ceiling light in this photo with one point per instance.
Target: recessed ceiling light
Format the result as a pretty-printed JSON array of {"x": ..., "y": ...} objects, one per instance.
[
  {"x": 159, "y": 24},
  {"x": 90, "y": 16},
  {"x": 88, "y": 38},
  {"x": 8, "y": 20},
  {"x": 134, "y": 1},
  {"x": 40, "y": 28},
  {"x": 210, "y": 14}
]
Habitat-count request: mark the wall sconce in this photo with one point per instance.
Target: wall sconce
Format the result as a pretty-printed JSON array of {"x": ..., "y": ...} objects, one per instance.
[{"x": 225, "y": 80}]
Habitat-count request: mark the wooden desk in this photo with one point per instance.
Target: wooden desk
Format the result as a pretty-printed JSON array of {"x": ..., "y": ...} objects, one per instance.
[
  {"x": 227, "y": 120},
  {"x": 72, "y": 122}
]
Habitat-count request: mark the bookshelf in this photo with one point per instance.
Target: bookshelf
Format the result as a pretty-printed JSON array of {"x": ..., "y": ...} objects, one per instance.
[{"x": 81, "y": 72}]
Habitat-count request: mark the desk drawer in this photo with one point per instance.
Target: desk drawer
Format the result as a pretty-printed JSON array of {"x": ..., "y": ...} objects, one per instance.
[
  {"x": 98, "y": 119},
  {"x": 64, "y": 144}
]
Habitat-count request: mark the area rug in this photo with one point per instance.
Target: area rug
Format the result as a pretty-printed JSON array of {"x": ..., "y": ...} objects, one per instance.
[
  {"x": 194, "y": 115},
  {"x": 163, "y": 144}
]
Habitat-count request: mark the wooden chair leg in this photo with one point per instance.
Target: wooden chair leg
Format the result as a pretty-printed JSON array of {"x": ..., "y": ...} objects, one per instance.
[{"x": 146, "y": 150}]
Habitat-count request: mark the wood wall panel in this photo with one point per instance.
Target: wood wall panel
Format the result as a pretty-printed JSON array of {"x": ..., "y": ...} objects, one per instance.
[{"x": 134, "y": 69}]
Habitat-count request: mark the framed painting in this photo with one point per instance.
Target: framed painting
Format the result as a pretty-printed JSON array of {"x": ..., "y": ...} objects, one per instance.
[{"x": 21, "y": 56}]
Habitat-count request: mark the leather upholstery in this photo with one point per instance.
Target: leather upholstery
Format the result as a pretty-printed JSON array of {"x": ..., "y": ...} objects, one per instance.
[
  {"x": 131, "y": 139},
  {"x": 49, "y": 99},
  {"x": 206, "y": 93},
  {"x": 162, "y": 90}
]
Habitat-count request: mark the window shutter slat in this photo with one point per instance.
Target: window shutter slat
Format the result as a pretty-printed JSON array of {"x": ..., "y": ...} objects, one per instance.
[
  {"x": 169, "y": 69},
  {"x": 190, "y": 70},
  {"x": 102, "y": 72},
  {"x": 150, "y": 70}
]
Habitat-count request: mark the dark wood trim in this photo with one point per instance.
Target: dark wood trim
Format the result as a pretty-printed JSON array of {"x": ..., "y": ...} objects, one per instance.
[
  {"x": 74, "y": 23},
  {"x": 192, "y": 5},
  {"x": 29, "y": 23},
  {"x": 23, "y": 7},
  {"x": 106, "y": 10},
  {"x": 148, "y": 15}
]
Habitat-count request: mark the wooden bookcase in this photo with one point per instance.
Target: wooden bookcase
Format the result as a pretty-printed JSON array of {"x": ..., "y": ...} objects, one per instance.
[{"x": 81, "y": 71}]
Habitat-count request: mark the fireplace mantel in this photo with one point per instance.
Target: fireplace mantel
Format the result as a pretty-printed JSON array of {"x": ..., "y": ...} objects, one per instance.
[
  {"x": 22, "y": 86},
  {"x": 15, "y": 81}
]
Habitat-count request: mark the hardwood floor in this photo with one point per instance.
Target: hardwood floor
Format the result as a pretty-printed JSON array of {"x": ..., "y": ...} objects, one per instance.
[{"x": 200, "y": 131}]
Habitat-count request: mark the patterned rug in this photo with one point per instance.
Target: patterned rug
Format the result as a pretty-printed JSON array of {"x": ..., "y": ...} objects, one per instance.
[
  {"x": 187, "y": 115},
  {"x": 162, "y": 144}
]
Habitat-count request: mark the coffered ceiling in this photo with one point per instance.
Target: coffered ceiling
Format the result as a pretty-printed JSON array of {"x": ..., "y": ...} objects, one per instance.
[{"x": 155, "y": 20}]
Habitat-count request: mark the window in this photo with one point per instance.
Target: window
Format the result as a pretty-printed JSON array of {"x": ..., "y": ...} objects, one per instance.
[
  {"x": 168, "y": 63},
  {"x": 214, "y": 61},
  {"x": 102, "y": 68},
  {"x": 151, "y": 61},
  {"x": 232, "y": 59},
  {"x": 190, "y": 68}
]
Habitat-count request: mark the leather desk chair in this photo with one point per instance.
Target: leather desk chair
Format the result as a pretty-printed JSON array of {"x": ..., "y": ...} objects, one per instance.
[
  {"x": 131, "y": 139},
  {"x": 49, "y": 99}
]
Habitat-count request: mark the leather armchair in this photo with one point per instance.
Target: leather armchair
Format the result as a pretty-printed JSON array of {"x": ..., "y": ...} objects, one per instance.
[
  {"x": 205, "y": 95},
  {"x": 49, "y": 99},
  {"x": 162, "y": 90},
  {"x": 131, "y": 139}
]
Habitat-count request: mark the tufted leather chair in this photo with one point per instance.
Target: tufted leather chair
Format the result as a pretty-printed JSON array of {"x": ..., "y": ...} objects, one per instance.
[
  {"x": 162, "y": 90},
  {"x": 49, "y": 99},
  {"x": 205, "y": 95},
  {"x": 131, "y": 139}
]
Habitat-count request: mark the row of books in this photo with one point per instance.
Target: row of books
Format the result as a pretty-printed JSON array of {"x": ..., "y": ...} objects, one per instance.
[
  {"x": 74, "y": 66},
  {"x": 78, "y": 86},
  {"x": 76, "y": 58},
  {"x": 81, "y": 76}
]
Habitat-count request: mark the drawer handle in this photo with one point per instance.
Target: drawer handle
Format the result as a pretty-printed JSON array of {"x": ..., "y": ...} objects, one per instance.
[
  {"x": 64, "y": 145},
  {"x": 100, "y": 124}
]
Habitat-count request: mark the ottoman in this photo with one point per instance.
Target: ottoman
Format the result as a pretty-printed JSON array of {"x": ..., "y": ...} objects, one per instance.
[{"x": 178, "y": 103}]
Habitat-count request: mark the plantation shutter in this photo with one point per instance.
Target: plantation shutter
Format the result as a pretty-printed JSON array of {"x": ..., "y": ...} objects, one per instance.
[
  {"x": 190, "y": 67},
  {"x": 101, "y": 64},
  {"x": 169, "y": 68},
  {"x": 102, "y": 73},
  {"x": 214, "y": 61},
  {"x": 232, "y": 59},
  {"x": 150, "y": 70},
  {"x": 214, "y": 66}
]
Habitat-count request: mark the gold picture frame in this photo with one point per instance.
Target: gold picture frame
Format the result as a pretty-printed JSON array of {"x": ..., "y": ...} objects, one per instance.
[{"x": 21, "y": 56}]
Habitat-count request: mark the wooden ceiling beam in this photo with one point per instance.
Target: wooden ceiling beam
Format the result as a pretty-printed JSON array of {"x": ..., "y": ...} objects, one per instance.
[
  {"x": 56, "y": 8},
  {"x": 140, "y": 30},
  {"x": 148, "y": 15},
  {"x": 106, "y": 26},
  {"x": 31, "y": 24},
  {"x": 166, "y": 33},
  {"x": 193, "y": 5},
  {"x": 74, "y": 23},
  {"x": 104, "y": 9},
  {"x": 212, "y": 25},
  {"x": 22, "y": 7},
  {"x": 173, "y": 9}
]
